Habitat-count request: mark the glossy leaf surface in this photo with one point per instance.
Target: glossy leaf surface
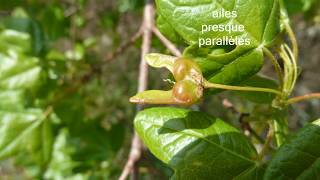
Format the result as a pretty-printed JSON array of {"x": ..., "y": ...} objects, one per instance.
[
  {"x": 260, "y": 18},
  {"x": 196, "y": 145}
]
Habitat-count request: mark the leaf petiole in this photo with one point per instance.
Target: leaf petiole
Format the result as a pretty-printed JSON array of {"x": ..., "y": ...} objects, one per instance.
[
  {"x": 207, "y": 84},
  {"x": 275, "y": 64},
  {"x": 293, "y": 40}
]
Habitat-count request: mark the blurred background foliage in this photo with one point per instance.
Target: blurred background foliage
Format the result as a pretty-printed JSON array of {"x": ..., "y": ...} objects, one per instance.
[{"x": 64, "y": 110}]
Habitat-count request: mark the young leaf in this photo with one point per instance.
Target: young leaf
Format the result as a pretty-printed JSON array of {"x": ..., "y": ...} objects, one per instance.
[
  {"x": 196, "y": 145},
  {"x": 299, "y": 158}
]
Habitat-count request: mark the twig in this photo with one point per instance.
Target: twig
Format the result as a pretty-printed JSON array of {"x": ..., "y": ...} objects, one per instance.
[
  {"x": 303, "y": 98},
  {"x": 266, "y": 146},
  {"x": 172, "y": 48},
  {"x": 47, "y": 112},
  {"x": 124, "y": 46},
  {"x": 246, "y": 127},
  {"x": 134, "y": 156},
  {"x": 136, "y": 146}
]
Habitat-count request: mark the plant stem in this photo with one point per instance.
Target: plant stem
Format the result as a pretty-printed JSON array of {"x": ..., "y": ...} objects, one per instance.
[
  {"x": 207, "y": 84},
  {"x": 304, "y": 97},
  {"x": 275, "y": 64},
  {"x": 120, "y": 50},
  {"x": 171, "y": 47}
]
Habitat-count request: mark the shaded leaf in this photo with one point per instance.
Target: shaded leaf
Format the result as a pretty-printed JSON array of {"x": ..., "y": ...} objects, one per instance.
[
  {"x": 26, "y": 25},
  {"x": 258, "y": 97},
  {"x": 196, "y": 145},
  {"x": 299, "y": 158}
]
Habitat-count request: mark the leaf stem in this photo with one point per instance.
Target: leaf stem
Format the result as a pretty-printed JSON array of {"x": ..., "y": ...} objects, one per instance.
[
  {"x": 275, "y": 64},
  {"x": 207, "y": 84},
  {"x": 290, "y": 69},
  {"x": 293, "y": 40},
  {"x": 304, "y": 97}
]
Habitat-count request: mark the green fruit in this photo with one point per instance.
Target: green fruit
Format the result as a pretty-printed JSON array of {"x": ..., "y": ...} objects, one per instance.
[{"x": 187, "y": 92}]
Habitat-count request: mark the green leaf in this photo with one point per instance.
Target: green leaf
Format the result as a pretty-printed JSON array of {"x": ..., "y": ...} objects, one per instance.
[
  {"x": 21, "y": 128},
  {"x": 12, "y": 99},
  {"x": 298, "y": 6},
  {"x": 167, "y": 30},
  {"x": 299, "y": 158},
  {"x": 258, "y": 97},
  {"x": 196, "y": 145},
  {"x": 20, "y": 72},
  {"x": 17, "y": 41},
  {"x": 62, "y": 165},
  {"x": 41, "y": 142},
  {"x": 224, "y": 64},
  {"x": 227, "y": 68},
  {"x": 17, "y": 69},
  {"x": 26, "y": 25},
  {"x": 18, "y": 129},
  {"x": 260, "y": 18}
]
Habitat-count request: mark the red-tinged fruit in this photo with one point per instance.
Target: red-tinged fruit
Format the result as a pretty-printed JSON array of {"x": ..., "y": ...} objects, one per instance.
[
  {"x": 187, "y": 92},
  {"x": 184, "y": 68}
]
